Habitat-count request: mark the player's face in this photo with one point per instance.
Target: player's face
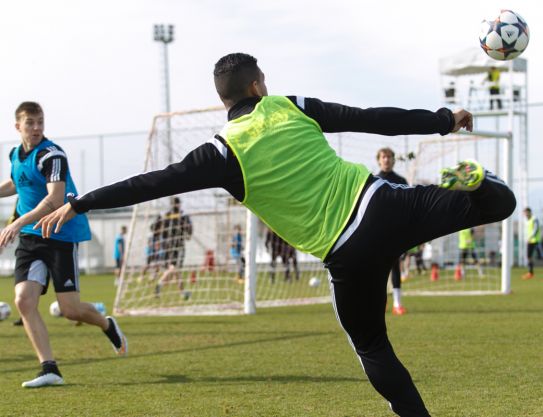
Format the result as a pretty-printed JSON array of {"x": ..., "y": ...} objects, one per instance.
[
  {"x": 386, "y": 162},
  {"x": 30, "y": 126}
]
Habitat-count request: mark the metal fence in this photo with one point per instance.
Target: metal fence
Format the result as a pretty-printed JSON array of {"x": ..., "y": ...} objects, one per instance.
[{"x": 100, "y": 159}]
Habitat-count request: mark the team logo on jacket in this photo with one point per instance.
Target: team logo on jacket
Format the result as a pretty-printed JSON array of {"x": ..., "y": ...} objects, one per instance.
[{"x": 23, "y": 181}]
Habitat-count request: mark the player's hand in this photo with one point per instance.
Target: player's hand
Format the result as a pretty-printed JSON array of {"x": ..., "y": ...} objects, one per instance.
[
  {"x": 54, "y": 221},
  {"x": 462, "y": 119},
  {"x": 8, "y": 234}
]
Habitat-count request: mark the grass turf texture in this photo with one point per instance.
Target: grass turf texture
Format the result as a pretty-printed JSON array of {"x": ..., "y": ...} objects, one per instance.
[{"x": 469, "y": 356}]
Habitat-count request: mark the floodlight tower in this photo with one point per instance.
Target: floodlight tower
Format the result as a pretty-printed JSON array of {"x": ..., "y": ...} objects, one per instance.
[{"x": 165, "y": 35}]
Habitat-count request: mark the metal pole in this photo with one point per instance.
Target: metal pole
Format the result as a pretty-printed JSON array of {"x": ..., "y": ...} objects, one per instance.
[
  {"x": 250, "y": 267},
  {"x": 165, "y": 34},
  {"x": 507, "y": 235},
  {"x": 507, "y": 232},
  {"x": 101, "y": 159},
  {"x": 167, "y": 104}
]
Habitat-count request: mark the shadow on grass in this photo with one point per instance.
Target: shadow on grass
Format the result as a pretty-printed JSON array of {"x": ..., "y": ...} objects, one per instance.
[
  {"x": 294, "y": 336},
  {"x": 22, "y": 357},
  {"x": 504, "y": 311},
  {"x": 281, "y": 379}
]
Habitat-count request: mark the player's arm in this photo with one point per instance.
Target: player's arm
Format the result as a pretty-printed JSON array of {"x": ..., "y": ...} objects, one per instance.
[
  {"x": 333, "y": 117},
  {"x": 200, "y": 169},
  {"x": 204, "y": 167},
  {"x": 53, "y": 200},
  {"x": 7, "y": 188}
]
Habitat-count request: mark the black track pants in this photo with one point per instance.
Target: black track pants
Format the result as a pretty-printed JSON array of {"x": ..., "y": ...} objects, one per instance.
[{"x": 395, "y": 220}]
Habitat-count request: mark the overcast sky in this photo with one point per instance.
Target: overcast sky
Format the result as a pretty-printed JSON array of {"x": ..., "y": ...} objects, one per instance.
[{"x": 95, "y": 67}]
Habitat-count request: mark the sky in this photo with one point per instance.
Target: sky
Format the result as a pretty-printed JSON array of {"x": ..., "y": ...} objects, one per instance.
[{"x": 95, "y": 67}]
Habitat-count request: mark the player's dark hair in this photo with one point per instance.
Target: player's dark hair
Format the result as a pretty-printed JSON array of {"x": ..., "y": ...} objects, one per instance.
[
  {"x": 386, "y": 151},
  {"x": 28, "y": 107},
  {"x": 233, "y": 74}
]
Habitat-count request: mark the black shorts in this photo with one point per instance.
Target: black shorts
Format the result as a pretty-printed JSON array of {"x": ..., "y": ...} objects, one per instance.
[
  {"x": 119, "y": 263},
  {"x": 38, "y": 260}
]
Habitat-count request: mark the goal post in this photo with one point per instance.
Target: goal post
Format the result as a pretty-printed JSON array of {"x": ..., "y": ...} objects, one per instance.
[
  {"x": 495, "y": 241},
  {"x": 186, "y": 262},
  {"x": 204, "y": 253}
]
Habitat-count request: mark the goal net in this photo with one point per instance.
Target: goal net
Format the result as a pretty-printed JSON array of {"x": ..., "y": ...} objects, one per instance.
[
  {"x": 202, "y": 253},
  {"x": 470, "y": 261}
]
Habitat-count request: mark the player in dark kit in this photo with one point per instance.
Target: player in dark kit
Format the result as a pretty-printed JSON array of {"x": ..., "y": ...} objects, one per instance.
[
  {"x": 277, "y": 247},
  {"x": 176, "y": 228},
  {"x": 386, "y": 160},
  {"x": 273, "y": 157}
]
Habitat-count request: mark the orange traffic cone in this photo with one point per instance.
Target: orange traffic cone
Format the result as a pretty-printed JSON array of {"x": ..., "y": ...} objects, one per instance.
[
  {"x": 458, "y": 273},
  {"x": 434, "y": 274},
  {"x": 209, "y": 262}
]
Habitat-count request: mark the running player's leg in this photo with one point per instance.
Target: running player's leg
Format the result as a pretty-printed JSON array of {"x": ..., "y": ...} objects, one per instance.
[
  {"x": 273, "y": 264},
  {"x": 27, "y": 295},
  {"x": 62, "y": 260},
  {"x": 530, "y": 255},
  {"x": 31, "y": 280}
]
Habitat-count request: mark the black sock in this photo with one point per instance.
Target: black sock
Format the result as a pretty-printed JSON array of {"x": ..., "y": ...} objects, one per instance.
[
  {"x": 50, "y": 367},
  {"x": 112, "y": 334}
]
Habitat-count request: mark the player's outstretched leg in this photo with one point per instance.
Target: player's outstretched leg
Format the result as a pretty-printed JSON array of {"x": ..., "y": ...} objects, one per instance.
[
  {"x": 468, "y": 196},
  {"x": 117, "y": 338}
]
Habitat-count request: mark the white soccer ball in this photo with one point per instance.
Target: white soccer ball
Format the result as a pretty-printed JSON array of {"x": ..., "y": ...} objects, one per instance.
[
  {"x": 54, "y": 309},
  {"x": 5, "y": 310},
  {"x": 506, "y": 37},
  {"x": 314, "y": 282}
]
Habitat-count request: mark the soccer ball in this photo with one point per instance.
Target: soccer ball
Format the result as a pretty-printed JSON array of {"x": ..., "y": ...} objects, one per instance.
[
  {"x": 5, "y": 310},
  {"x": 314, "y": 282},
  {"x": 506, "y": 37},
  {"x": 100, "y": 307},
  {"x": 54, "y": 309}
]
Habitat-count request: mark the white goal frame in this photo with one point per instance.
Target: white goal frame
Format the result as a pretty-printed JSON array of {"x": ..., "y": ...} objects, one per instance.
[
  {"x": 506, "y": 225},
  {"x": 250, "y": 302}
]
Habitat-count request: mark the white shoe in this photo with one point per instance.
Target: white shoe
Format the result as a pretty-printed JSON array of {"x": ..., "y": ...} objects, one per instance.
[
  {"x": 123, "y": 349},
  {"x": 43, "y": 381}
]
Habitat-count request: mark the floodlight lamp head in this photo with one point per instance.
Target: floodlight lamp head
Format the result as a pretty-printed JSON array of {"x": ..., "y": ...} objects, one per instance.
[
  {"x": 159, "y": 32},
  {"x": 164, "y": 34}
]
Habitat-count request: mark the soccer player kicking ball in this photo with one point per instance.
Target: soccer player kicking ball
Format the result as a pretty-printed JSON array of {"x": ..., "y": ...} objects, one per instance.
[
  {"x": 273, "y": 157},
  {"x": 41, "y": 178}
]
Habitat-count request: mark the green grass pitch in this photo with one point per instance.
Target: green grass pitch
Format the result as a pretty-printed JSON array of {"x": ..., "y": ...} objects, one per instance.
[{"x": 469, "y": 356}]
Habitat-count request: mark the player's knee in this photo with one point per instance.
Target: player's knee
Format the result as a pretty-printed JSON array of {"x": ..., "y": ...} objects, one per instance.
[
  {"x": 509, "y": 203},
  {"x": 25, "y": 303}
]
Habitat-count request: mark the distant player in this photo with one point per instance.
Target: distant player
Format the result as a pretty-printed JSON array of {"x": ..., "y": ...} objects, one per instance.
[
  {"x": 236, "y": 252},
  {"x": 277, "y": 247},
  {"x": 533, "y": 241},
  {"x": 416, "y": 253},
  {"x": 466, "y": 245},
  {"x": 118, "y": 253},
  {"x": 41, "y": 178},
  {"x": 386, "y": 160},
  {"x": 273, "y": 157},
  {"x": 176, "y": 228}
]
